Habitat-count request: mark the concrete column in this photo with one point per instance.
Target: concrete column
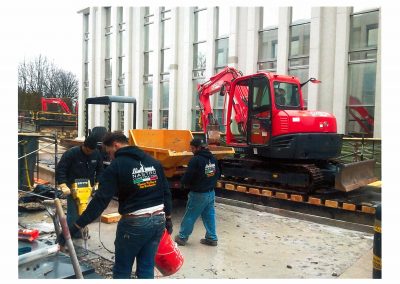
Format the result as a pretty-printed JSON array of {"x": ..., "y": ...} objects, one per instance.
[
  {"x": 114, "y": 65},
  {"x": 99, "y": 43},
  {"x": 378, "y": 98},
  {"x": 127, "y": 67},
  {"x": 81, "y": 100},
  {"x": 185, "y": 82},
  {"x": 285, "y": 19},
  {"x": 137, "y": 62},
  {"x": 251, "y": 44},
  {"x": 156, "y": 69},
  {"x": 341, "y": 66},
  {"x": 322, "y": 58},
  {"x": 173, "y": 69},
  {"x": 233, "y": 56}
]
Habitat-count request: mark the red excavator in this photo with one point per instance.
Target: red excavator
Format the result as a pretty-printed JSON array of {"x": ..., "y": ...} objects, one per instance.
[
  {"x": 276, "y": 140},
  {"x": 55, "y": 112}
]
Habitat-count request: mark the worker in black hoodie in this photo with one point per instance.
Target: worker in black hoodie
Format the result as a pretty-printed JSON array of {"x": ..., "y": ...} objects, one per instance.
[
  {"x": 144, "y": 205},
  {"x": 200, "y": 178}
]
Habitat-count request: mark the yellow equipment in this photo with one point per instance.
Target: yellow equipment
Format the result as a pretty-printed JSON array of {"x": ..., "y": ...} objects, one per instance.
[{"x": 81, "y": 192}]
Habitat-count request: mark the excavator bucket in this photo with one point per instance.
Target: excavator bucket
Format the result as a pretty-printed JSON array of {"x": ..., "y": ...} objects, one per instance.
[{"x": 355, "y": 175}]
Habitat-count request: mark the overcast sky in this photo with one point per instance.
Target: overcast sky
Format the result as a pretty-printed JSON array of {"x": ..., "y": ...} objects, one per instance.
[{"x": 53, "y": 30}]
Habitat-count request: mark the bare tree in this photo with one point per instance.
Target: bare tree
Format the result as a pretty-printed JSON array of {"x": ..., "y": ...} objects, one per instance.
[{"x": 40, "y": 76}]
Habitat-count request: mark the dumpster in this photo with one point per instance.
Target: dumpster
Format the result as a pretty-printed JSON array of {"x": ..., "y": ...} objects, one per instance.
[{"x": 171, "y": 148}]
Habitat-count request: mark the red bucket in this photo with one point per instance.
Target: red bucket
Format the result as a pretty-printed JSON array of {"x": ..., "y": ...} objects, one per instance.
[{"x": 168, "y": 257}]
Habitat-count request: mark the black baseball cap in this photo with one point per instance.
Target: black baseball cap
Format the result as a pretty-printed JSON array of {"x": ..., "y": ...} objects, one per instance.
[
  {"x": 90, "y": 142},
  {"x": 196, "y": 142}
]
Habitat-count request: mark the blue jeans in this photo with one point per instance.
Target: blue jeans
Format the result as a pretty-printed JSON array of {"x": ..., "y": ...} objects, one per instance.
[
  {"x": 137, "y": 238},
  {"x": 72, "y": 213},
  {"x": 199, "y": 203}
]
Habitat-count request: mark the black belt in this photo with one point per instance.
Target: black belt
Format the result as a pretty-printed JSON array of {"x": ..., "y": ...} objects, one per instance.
[{"x": 155, "y": 213}]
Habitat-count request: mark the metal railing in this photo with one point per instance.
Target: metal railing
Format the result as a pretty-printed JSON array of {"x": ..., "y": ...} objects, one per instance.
[{"x": 359, "y": 149}]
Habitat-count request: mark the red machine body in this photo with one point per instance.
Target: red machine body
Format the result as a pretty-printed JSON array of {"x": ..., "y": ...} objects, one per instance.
[
  {"x": 262, "y": 109},
  {"x": 64, "y": 107}
]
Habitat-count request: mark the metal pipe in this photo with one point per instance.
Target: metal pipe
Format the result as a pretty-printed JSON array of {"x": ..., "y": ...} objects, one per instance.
[
  {"x": 55, "y": 156},
  {"x": 37, "y": 254},
  {"x": 68, "y": 240}
]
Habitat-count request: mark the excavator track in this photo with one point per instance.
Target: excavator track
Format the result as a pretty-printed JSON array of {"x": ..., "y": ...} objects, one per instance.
[
  {"x": 357, "y": 206},
  {"x": 303, "y": 178}
]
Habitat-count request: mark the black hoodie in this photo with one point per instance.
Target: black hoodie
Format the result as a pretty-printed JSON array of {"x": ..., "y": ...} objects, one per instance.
[
  {"x": 202, "y": 172},
  {"x": 136, "y": 178}
]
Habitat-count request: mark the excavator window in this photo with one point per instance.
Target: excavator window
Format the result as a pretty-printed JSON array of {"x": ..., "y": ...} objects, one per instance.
[
  {"x": 261, "y": 95},
  {"x": 286, "y": 95}
]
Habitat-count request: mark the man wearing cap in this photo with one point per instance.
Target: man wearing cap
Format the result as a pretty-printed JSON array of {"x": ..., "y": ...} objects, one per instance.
[
  {"x": 79, "y": 162},
  {"x": 200, "y": 178}
]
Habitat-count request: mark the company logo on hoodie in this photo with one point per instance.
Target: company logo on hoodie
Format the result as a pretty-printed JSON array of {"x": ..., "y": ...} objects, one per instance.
[
  {"x": 209, "y": 169},
  {"x": 144, "y": 177}
]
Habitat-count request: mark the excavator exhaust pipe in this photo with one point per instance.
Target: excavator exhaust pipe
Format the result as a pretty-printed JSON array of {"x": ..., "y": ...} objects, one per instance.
[{"x": 355, "y": 175}]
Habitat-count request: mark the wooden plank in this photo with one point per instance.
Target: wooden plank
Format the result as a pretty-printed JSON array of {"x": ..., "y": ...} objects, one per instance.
[
  {"x": 266, "y": 192},
  {"x": 229, "y": 186},
  {"x": 110, "y": 218},
  {"x": 349, "y": 206},
  {"x": 368, "y": 209},
  {"x": 315, "y": 201},
  {"x": 281, "y": 195},
  {"x": 331, "y": 203},
  {"x": 255, "y": 191},
  {"x": 241, "y": 188},
  {"x": 296, "y": 197},
  {"x": 377, "y": 183}
]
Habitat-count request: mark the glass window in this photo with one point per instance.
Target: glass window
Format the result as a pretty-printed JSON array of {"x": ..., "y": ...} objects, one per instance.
[
  {"x": 286, "y": 95},
  {"x": 164, "y": 105},
  {"x": 261, "y": 94},
  {"x": 302, "y": 74},
  {"x": 299, "y": 40},
  {"x": 268, "y": 50},
  {"x": 362, "y": 73},
  {"x": 196, "y": 105},
  {"x": 221, "y": 52},
  {"x": 364, "y": 31},
  {"x": 147, "y": 106},
  {"x": 199, "y": 59},
  {"x": 223, "y": 14},
  {"x": 166, "y": 30},
  {"x": 200, "y": 25}
]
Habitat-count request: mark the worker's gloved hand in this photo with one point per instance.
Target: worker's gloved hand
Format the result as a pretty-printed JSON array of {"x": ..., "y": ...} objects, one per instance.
[
  {"x": 96, "y": 186},
  {"x": 72, "y": 231},
  {"x": 65, "y": 189},
  {"x": 168, "y": 225}
]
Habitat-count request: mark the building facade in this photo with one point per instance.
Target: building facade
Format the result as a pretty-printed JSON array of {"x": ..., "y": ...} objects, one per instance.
[{"x": 160, "y": 54}]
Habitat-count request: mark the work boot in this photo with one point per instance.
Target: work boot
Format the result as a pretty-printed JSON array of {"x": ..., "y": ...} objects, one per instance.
[
  {"x": 180, "y": 241},
  {"x": 209, "y": 242}
]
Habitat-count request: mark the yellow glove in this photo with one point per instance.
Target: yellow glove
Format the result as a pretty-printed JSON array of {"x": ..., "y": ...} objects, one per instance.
[{"x": 65, "y": 189}]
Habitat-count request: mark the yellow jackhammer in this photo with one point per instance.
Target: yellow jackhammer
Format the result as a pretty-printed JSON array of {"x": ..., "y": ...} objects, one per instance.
[{"x": 81, "y": 191}]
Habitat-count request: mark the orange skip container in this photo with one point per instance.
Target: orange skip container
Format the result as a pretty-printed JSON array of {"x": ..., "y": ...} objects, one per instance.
[{"x": 168, "y": 257}]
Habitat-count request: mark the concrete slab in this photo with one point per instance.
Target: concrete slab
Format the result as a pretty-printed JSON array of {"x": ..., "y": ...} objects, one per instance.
[{"x": 254, "y": 244}]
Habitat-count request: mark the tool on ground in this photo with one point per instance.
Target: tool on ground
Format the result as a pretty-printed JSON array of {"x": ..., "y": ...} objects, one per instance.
[
  {"x": 81, "y": 192},
  {"x": 52, "y": 213},
  {"x": 37, "y": 254},
  {"x": 68, "y": 240},
  {"x": 28, "y": 234}
]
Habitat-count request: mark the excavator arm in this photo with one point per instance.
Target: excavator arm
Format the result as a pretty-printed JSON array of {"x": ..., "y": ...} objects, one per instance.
[{"x": 219, "y": 82}]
